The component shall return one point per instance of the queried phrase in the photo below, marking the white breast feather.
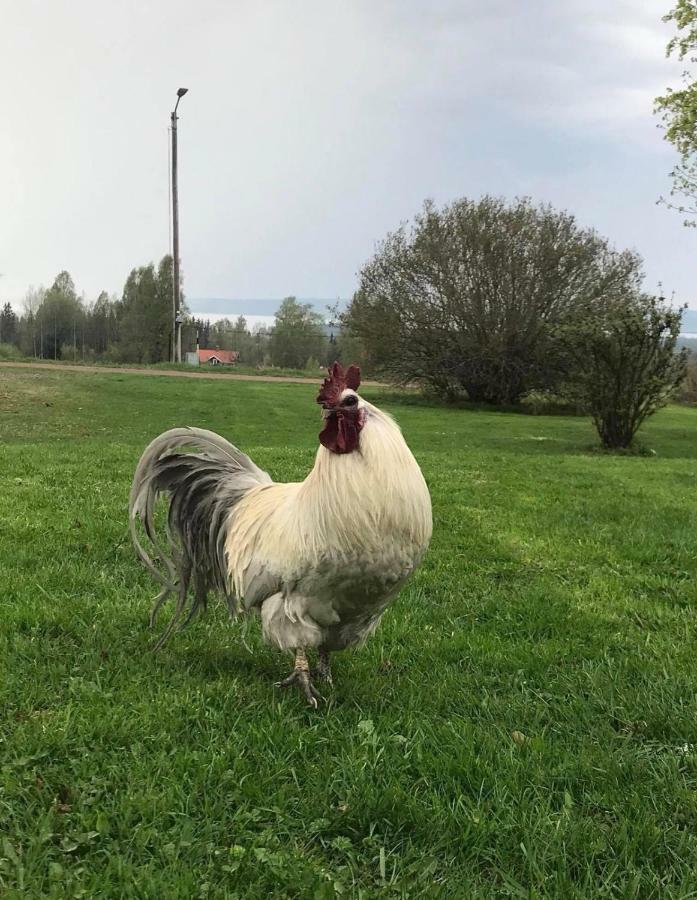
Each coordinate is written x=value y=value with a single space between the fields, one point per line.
x=303 y=550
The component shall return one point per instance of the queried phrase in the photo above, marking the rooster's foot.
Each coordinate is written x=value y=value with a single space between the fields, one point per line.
x=322 y=670
x=301 y=676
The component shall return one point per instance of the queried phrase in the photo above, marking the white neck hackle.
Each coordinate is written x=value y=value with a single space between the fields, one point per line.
x=351 y=500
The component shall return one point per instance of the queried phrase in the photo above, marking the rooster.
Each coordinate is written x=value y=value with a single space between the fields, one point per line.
x=319 y=559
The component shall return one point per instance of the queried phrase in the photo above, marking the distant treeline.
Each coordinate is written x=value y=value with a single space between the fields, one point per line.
x=57 y=323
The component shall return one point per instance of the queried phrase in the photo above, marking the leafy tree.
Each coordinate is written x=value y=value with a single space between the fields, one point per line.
x=689 y=392
x=204 y=330
x=102 y=324
x=9 y=333
x=223 y=334
x=297 y=335
x=145 y=314
x=160 y=319
x=243 y=341
x=9 y=351
x=189 y=332
x=259 y=348
x=195 y=329
x=59 y=317
x=625 y=364
x=349 y=349
x=468 y=296
x=678 y=109
x=29 y=332
x=132 y=346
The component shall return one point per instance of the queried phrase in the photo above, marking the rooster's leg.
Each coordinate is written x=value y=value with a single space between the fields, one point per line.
x=301 y=676
x=323 y=670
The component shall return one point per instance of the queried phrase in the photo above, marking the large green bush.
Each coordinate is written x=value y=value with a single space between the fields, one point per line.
x=624 y=364
x=466 y=299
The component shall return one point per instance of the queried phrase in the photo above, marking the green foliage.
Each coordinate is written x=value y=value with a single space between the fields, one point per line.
x=523 y=723
x=102 y=325
x=29 y=330
x=349 y=349
x=297 y=335
x=689 y=388
x=145 y=314
x=465 y=299
x=678 y=108
x=59 y=317
x=247 y=347
x=226 y=334
x=9 y=351
x=58 y=324
x=9 y=331
x=625 y=364
x=69 y=352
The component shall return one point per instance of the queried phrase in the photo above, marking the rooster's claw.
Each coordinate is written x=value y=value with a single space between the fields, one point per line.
x=301 y=677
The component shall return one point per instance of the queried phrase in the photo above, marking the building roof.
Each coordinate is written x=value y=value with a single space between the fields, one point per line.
x=222 y=356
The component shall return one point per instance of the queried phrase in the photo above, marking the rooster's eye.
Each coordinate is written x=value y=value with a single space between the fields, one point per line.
x=351 y=400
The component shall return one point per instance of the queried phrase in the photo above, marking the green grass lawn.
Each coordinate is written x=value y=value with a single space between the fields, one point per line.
x=9 y=353
x=523 y=724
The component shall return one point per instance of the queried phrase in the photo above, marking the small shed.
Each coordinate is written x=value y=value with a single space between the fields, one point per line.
x=217 y=357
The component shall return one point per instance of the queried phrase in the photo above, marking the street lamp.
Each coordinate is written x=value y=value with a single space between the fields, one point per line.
x=176 y=285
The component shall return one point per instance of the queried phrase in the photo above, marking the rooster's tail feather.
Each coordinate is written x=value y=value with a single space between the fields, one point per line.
x=203 y=487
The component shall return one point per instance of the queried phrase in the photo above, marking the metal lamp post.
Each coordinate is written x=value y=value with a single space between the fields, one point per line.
x=176 y=285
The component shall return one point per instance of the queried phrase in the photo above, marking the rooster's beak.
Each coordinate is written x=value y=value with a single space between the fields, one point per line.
x=327 y=411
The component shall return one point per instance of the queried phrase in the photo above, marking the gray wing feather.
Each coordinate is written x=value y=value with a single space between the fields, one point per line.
x=259 y=584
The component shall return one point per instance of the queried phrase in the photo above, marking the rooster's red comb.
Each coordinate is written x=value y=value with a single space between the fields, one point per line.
x=337 y=382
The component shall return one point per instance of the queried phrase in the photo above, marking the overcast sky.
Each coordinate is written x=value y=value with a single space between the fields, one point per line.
x=312 y=127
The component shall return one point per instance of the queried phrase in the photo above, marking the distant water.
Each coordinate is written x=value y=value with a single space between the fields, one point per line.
x=217 y=306
x=261 y=312
x=689 y=322
x=252 y=320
